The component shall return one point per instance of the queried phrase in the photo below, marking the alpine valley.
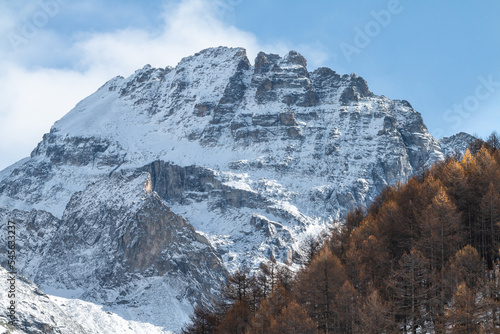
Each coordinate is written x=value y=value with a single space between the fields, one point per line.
x=140 y=201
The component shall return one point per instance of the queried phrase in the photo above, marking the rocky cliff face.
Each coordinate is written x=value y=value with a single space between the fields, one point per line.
x=149 y=190
x=118 y=244
x=456 y=144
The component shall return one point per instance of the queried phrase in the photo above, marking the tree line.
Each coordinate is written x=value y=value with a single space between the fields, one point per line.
x=423 y=258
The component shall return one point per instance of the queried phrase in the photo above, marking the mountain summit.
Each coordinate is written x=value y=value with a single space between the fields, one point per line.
x=145 y=195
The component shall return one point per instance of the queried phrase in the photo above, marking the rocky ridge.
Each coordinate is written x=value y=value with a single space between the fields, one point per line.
x=456 y=144
x=155 y=186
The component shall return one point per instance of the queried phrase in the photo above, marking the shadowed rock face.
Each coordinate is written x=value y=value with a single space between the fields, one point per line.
x=116 y=236
x=186 y=184
x=456 y=144
x=151 y=189
x=78 y=151
x=283 y=79
x=356 y=89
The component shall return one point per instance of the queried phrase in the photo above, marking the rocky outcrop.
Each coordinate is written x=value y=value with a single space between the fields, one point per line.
x=117 y=236
x=283 y=79
x=78 y=151
x=456 y=144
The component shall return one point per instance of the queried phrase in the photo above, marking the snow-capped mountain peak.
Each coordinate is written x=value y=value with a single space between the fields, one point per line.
x=150 y=190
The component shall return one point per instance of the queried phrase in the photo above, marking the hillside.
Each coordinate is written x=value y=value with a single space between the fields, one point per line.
x=424 y=258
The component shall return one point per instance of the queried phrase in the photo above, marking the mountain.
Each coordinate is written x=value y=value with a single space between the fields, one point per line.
x=422 y=259
x=41 y=313
x=146 y=194
x=456 y=143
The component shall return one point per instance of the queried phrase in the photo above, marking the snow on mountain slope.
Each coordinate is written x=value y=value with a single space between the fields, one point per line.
x=456 y=143
x=117 y=244
x=41 y=313
x=35 y=311
x=149 y=190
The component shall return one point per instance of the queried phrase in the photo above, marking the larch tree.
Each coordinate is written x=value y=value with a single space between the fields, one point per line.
x=367 y=262
x=467 y=267
x=236 y=319
x=238 y=286
x=410 y=285
x=317 y=286
x=396 y=234
x=441 y=237
x=203 y=321
x=375 y=316
x=293 y=320
x=490 y=220
x=345 y=308
x=494 y=141
x=441 y=231
x=464 y=314
x=269 y=309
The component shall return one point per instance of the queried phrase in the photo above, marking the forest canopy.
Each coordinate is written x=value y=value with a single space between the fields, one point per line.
x=423 y=258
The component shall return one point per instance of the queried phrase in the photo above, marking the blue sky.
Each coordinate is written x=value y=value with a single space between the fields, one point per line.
x=442 y=56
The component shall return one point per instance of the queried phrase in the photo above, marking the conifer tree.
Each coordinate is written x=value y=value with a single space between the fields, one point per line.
x=270 y=308
x=367 y=262
x=317 y=286
x=410 y=285
x=375 y=316
x=494 y=141
x=441 y=231
x=399 y=268
x=236 y=319
x=466 y=266
x=490 y=220
x=203 y=321
x=238 y=286
x=293 y=320
x=464 y=314
x=345 y=308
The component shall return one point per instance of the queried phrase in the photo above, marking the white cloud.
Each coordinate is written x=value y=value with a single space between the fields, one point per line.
x=189 y=27
x=30 y=102
x=32 y=98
